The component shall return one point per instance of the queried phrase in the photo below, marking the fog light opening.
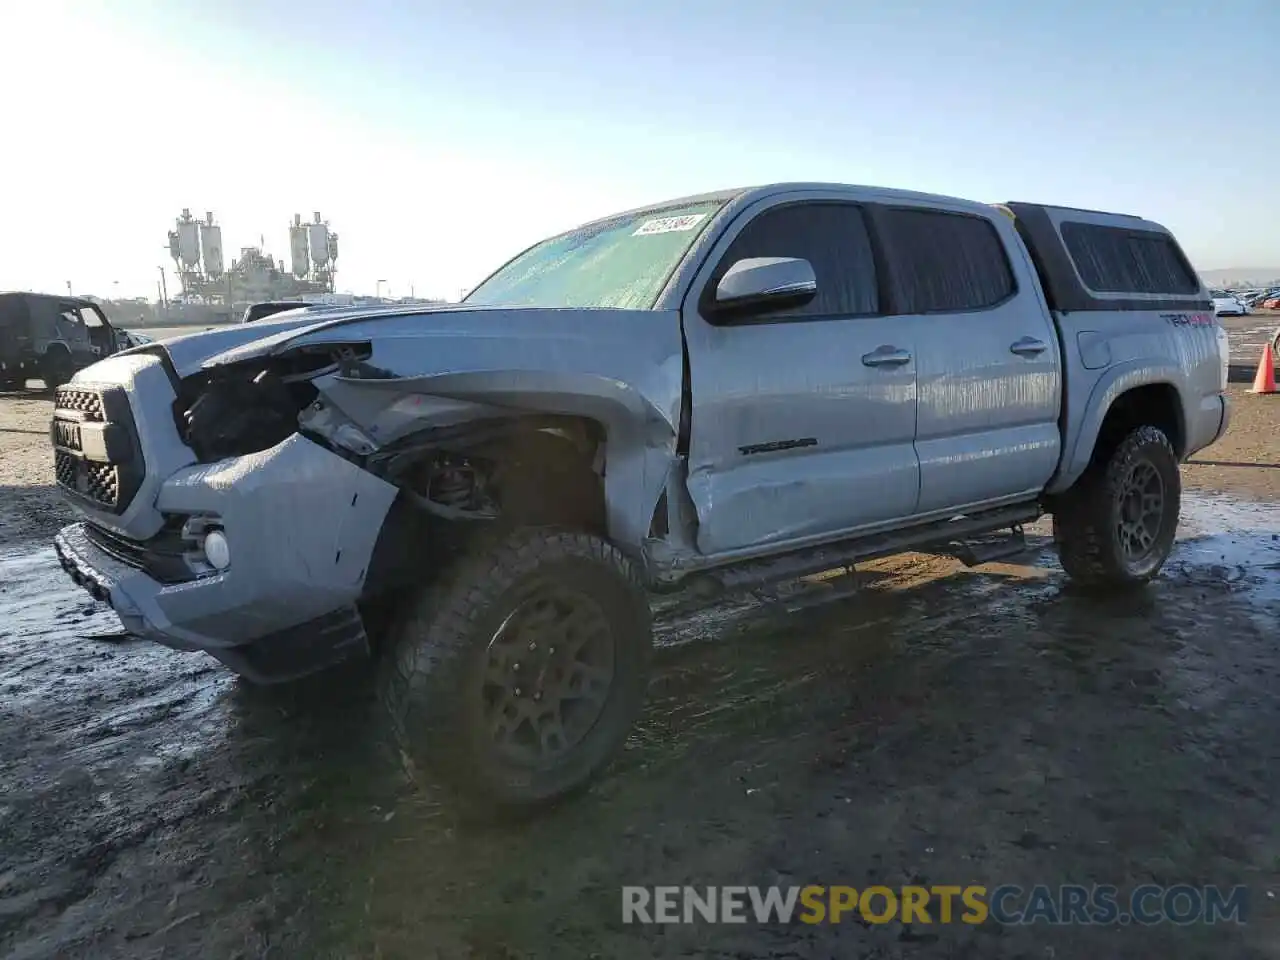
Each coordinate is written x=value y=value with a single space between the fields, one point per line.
x=217 y=550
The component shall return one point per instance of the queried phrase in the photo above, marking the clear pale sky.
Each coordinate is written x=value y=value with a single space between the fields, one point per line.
x=439 y=139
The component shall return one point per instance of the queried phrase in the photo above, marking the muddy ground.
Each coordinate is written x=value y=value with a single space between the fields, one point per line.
x=944 y=726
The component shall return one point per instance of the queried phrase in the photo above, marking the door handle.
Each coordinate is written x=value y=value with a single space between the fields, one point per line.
x=886 y=356
x=1028 y=347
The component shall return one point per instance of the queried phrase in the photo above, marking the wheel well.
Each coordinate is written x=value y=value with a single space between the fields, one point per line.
x=493 y=476
x=523 y=471
x=554 y=475
x=1155 y=404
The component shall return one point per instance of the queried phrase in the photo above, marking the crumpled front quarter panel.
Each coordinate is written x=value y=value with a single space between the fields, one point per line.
x=621 y=368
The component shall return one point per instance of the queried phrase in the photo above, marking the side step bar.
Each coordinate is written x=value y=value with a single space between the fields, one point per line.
x=949 y=534
x=979 y=550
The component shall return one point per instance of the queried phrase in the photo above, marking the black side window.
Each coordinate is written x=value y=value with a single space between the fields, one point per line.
x=945 y=261
x=833 y=238
x=14 y=317
x=1119 y=260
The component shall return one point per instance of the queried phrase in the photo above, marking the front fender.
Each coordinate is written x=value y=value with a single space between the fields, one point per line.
x=639 y=426
x=1082 y=433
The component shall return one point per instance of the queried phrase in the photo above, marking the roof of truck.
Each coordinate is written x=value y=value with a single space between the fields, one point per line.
x=741 y=196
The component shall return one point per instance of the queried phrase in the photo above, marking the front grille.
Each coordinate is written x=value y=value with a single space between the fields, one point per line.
x=97 y=457
x=100 y=482
x=87 y=403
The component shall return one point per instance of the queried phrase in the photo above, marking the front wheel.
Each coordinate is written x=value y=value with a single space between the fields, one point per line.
x=1116 y=526
x=516 y=677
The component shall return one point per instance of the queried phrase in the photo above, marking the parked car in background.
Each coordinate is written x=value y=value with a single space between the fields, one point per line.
x=49 y=338
x=1228 y=305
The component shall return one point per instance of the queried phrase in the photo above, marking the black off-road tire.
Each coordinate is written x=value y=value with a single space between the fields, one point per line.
x=433 y=677
x=1087 y=518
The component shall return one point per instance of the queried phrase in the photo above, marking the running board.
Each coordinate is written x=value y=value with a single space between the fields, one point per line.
x=976 y=551
x=936 y=535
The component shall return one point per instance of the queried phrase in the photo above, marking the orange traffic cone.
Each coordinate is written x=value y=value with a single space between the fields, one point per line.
x=1265 y=381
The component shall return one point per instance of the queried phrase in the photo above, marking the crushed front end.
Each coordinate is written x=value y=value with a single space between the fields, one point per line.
x=209 y=522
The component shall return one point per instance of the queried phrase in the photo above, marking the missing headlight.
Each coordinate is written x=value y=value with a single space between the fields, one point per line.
x=242 y=408
x=236 y=415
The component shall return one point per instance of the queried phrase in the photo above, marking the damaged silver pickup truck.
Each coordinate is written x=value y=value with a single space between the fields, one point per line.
x=726 y=390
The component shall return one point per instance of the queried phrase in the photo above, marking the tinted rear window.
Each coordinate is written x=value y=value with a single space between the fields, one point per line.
x=945 y=261
x=1121 y=260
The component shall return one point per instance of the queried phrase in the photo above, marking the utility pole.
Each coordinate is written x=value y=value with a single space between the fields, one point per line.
x=164 y=288
x=69 y=293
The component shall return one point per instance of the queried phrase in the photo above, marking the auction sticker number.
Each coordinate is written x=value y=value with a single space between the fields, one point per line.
x=669 y=224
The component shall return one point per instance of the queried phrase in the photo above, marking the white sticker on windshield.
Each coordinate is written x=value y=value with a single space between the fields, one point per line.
x=669 y=224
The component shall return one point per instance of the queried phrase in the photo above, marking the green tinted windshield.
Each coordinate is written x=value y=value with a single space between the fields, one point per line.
x=622 y=262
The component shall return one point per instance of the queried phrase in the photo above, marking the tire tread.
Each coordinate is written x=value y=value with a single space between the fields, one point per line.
x=422 y=676
x=1081 y=518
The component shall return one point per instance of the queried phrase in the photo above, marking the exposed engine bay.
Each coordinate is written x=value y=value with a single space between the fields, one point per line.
x=478 y=470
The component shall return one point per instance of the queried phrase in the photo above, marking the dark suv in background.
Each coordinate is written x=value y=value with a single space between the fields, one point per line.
x=49 y=338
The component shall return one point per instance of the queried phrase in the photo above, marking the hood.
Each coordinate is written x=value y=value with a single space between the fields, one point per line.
x=192 y=352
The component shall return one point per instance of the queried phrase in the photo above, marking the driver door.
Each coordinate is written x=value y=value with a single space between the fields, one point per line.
x=802 y=421
x=71 y=332
x=101 y=337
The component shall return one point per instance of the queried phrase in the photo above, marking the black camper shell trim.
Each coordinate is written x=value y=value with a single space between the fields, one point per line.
x=1062 y=285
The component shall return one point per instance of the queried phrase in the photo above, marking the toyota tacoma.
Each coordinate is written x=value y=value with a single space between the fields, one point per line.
x=722 y=391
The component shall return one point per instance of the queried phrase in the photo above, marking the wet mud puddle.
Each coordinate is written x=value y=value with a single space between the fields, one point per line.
x=150 y=802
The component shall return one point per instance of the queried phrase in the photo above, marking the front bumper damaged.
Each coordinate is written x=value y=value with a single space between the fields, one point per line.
x=301 y=524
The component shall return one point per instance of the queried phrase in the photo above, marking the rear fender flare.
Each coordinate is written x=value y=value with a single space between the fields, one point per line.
x=1118 y=380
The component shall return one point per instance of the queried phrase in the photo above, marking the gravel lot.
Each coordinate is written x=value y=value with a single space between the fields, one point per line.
x=943 y=726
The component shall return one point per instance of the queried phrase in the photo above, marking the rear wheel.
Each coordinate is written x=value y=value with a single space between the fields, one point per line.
x=516 y=678
x=1117 y=525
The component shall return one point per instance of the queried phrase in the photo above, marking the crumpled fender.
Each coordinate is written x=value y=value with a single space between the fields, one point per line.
x=620 y=368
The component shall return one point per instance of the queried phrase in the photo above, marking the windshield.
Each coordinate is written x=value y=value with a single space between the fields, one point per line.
x=622 y=262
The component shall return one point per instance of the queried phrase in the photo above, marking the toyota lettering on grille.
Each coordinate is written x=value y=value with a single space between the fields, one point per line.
x=66 y=435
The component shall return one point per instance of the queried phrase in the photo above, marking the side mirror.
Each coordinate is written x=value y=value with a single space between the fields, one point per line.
x=766 y=283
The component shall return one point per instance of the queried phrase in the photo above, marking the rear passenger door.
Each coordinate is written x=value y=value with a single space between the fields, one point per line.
x=802 y=421
x=988 y=372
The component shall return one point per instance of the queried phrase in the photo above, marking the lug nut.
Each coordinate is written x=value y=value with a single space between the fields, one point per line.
x=517 y=691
